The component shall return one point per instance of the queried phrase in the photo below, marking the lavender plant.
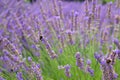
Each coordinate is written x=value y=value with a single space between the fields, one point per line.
x=59 y=40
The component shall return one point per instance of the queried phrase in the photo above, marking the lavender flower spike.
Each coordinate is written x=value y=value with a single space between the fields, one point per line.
x=19 y=76
x=106 y=63
x=79 y=60
x=88 y=68
x=67 y=70
x=117 y=43
x=2 y=78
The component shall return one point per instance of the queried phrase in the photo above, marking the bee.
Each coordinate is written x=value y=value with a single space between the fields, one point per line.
x=32 y=1
x=41 y=37
x=108 y=61
x=11 y=70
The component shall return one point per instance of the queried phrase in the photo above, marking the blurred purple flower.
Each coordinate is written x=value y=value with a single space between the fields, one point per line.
x=67 y=70
x=79 y=61
x=1 y=78
x=19 y=76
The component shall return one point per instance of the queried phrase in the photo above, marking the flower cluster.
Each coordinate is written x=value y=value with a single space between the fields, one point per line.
x=33 y=35
x=79 y=61
x=66 y=70
x=107 y=65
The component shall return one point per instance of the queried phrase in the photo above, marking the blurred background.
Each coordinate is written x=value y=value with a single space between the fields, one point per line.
x=102 y=1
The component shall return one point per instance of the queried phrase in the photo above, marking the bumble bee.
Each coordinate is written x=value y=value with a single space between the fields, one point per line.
x=41 y=37
x=11 y=70
x=32 y=1
x=108 y=61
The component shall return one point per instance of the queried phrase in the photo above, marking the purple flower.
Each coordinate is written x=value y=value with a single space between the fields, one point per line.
x=19 y=76
x=29 y=59
x=77 y=55
x=110 y=48
x=88 y=61
x=98 y=56
x=89 y=70
x=67 y=70
x=115 y=75
x=103 y=61
x=79 y=60
x=12 y=57
x=2 y=78
x=60 y=50
x=36 y=70
x=6 y=52
x=106 y=63
x=117 y=51
x=24 y=42
x=34 y=47
x=116 y=42
x=52 y=54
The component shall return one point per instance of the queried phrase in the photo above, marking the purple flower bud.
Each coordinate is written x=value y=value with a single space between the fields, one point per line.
x=67 y=67
x=117 y=51
x=19 y=76
x=6 y=52
x=2 y=78
x=52 y=54
x=77 y=55
x=117 y=19
x=79 y=61
x=96 y=55
x=67 y=70
x=34 y=47
x=88 y=62
x=29 y=59
x=103 y=61
x=115 y=75
x=61 y=50
x=37 y=54
x=110 y=48
x=91 y=71
x=110 y=3
x=116 y=42
x=38 y=65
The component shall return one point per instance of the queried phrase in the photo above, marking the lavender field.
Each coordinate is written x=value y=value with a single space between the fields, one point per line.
x=59 y=40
